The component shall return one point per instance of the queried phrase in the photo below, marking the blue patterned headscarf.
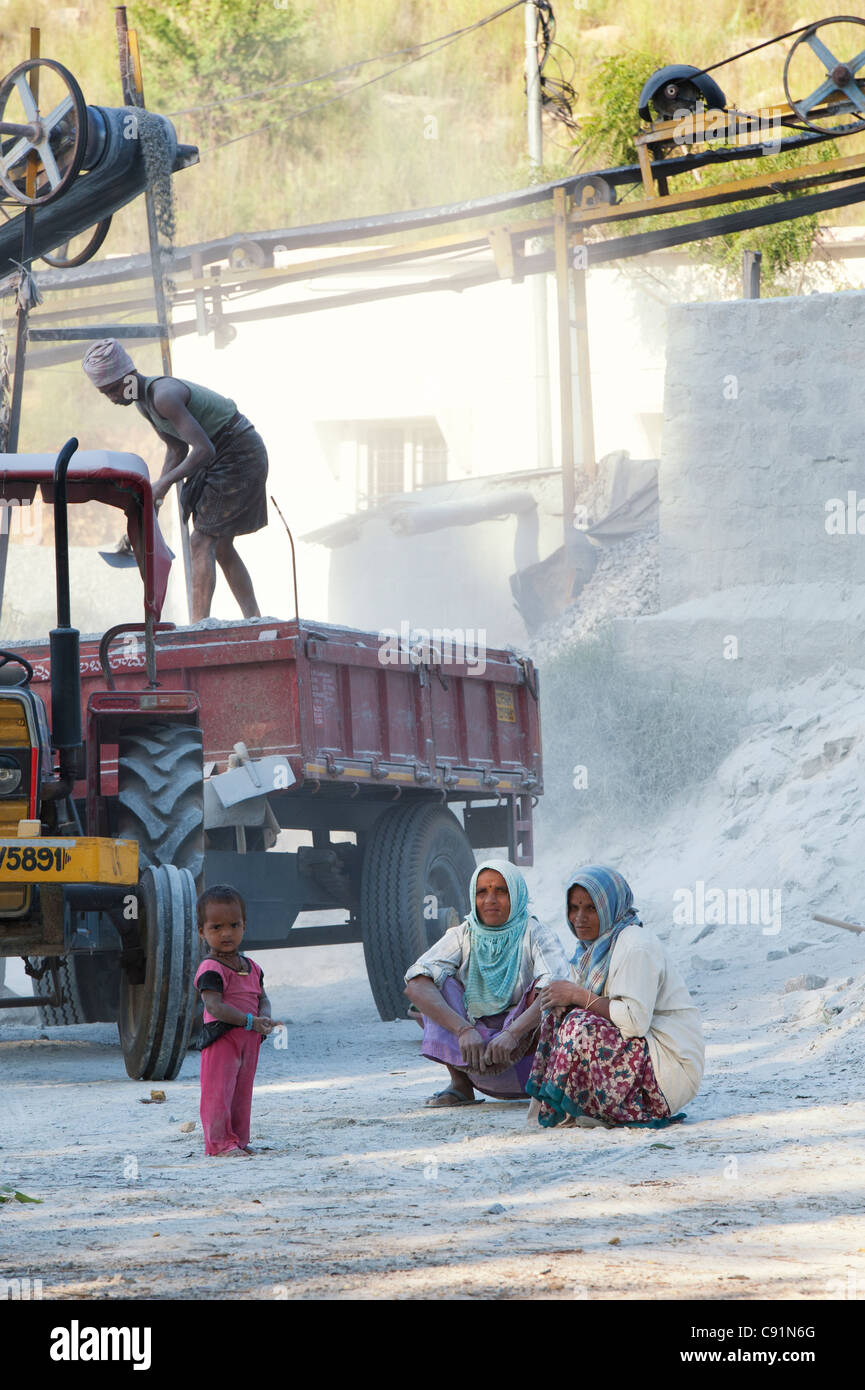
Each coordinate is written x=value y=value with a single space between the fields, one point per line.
x=494 y=952
x=614 y=902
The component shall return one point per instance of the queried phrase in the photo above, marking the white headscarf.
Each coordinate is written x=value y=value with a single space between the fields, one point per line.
x=107 y=361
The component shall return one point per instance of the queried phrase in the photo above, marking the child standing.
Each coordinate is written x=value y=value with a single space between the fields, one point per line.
x=236 y=1017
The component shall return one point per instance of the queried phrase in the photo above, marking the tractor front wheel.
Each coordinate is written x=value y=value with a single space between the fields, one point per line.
x=155 y=1016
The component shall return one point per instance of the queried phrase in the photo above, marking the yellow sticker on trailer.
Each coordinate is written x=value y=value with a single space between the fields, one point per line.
x=505 y=709
x=67 y=860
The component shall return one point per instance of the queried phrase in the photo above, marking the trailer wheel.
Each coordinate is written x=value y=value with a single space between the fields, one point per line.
x=160 y=794
x=90 y=986
x=155 y=1017
x=418 y=863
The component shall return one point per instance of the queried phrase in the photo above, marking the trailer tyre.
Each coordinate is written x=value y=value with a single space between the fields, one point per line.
x=155 y=1017
x=160 y=796
x=418 y=863
x=90 y=987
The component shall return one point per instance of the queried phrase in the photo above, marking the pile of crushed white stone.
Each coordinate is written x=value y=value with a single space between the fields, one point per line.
x=732 y=875
x=624 y=585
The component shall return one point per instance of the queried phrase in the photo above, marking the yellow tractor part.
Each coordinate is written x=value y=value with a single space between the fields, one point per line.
x=68 y=860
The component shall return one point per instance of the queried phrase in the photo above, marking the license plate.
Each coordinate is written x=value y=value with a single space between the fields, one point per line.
x=67 y=860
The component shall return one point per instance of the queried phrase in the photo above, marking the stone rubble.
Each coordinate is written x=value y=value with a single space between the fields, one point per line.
x=624 y=585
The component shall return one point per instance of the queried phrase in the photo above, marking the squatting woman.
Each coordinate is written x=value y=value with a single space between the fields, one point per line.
x=621 y=1041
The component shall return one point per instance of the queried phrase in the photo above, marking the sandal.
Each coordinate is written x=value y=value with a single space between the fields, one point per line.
x=449 y=1098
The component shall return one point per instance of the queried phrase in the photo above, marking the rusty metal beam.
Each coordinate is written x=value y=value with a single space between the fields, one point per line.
x=23 y=314
x=133 y=92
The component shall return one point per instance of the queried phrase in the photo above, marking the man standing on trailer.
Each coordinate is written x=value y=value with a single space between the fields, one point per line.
x=212 y=450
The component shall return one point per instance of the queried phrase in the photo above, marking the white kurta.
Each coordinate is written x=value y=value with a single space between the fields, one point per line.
x=542 y=959
x=649 y=999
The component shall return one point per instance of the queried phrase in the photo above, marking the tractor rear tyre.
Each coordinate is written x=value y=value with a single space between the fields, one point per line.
x=160 y=802
x=160 y=795
x=155 y=1016
x=90 y=986
x=418 y=864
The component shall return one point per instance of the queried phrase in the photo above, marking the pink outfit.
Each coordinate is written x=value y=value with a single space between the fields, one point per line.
x=228 y=1064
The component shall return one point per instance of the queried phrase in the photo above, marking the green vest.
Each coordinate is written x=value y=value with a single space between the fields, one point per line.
x=211 y=410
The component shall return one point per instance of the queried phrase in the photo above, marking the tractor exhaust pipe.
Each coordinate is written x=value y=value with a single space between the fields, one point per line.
x=65 y=667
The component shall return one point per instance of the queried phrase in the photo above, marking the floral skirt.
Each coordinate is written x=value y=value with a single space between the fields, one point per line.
x=583 y=1066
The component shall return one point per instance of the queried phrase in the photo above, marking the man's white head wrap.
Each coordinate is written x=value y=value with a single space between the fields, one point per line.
x=107 y=361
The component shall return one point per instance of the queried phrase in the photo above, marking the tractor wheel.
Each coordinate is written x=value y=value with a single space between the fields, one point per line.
x=160 y=803
x=417 y=866
x=155 y=1016
x=161 y=795
x=90 y=986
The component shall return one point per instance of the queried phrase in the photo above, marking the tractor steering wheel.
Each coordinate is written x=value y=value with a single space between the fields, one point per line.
x=6 y=657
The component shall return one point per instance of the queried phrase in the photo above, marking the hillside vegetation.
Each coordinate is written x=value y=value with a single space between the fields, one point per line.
x=448 y=127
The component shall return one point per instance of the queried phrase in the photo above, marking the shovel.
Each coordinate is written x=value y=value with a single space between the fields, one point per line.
x=122 y=556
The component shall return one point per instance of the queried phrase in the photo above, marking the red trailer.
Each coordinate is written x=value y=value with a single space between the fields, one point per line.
x=202 y=744
x=419 y=763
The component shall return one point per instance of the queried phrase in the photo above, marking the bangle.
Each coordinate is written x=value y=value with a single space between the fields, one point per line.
x=587 y=1007
x=248 y=1024
x=469 y=1028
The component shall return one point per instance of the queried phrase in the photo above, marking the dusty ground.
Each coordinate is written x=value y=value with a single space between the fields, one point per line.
x=363 y=1193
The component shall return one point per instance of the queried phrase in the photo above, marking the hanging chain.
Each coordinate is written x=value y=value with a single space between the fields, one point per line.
x=158 y=154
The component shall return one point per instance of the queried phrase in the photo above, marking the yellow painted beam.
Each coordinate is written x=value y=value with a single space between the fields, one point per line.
x=731 y=191
x=68 y=860
x=503 y=251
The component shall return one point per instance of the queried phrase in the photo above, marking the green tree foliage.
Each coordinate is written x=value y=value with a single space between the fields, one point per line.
x=608 y=140
x=784 y=245
x=11 y=1194
x=608 y=133
x=198 y=52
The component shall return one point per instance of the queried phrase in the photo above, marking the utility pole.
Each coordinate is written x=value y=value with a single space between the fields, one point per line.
x=544 y=450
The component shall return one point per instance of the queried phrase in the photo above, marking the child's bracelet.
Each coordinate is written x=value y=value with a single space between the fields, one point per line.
x=248 y=1024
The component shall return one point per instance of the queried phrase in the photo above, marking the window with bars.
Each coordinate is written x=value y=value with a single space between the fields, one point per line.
x=395 y=456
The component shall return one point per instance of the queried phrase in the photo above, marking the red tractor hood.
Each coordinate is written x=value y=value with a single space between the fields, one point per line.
x=100 y=475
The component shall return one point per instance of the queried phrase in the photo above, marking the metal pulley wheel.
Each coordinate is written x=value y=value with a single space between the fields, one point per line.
x=63 y=259
x=840 y=78
x=677 y=89
x=43 y=131
x=591 y=191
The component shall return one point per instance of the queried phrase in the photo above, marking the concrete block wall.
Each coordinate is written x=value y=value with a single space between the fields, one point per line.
x=764 y=422
x=764 y=427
